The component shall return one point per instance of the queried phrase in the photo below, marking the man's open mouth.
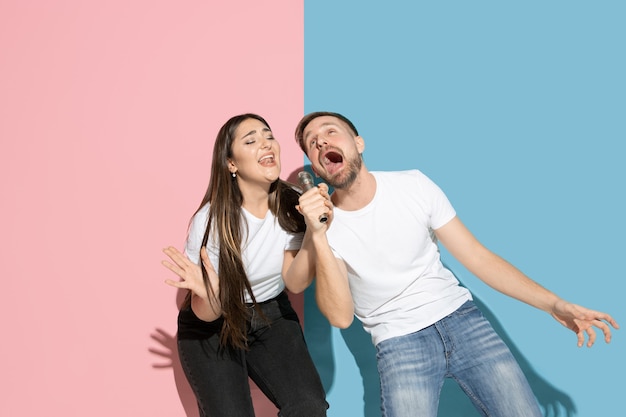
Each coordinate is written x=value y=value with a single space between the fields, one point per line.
x=332 y=161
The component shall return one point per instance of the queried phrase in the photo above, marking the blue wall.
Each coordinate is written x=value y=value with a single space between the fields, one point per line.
x=517 y=110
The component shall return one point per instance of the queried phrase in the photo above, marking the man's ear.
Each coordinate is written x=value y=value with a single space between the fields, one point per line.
x=360 y=144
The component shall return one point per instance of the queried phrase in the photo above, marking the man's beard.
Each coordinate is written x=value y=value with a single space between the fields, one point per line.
x=348 y=174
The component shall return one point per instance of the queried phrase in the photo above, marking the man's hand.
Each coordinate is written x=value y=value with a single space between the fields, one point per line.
x=582 y=320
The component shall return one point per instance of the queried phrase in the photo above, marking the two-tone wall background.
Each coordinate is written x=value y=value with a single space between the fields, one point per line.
x=108 y=111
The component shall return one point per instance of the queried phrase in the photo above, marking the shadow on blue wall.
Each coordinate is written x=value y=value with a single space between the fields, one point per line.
x=454 y=402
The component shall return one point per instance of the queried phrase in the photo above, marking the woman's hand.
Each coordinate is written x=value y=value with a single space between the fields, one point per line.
x=190 y=274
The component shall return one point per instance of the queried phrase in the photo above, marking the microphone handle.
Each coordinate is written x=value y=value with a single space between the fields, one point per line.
x=306 y=183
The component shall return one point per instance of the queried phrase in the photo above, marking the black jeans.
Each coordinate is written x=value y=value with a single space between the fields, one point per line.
x=277 y=361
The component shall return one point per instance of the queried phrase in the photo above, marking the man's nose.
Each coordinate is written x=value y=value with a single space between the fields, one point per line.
x=321 y=142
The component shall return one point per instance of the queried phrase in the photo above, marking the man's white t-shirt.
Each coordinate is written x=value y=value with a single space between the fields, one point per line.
x=263 y=251
x=397 y=280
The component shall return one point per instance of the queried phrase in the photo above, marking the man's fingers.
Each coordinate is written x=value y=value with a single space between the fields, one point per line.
x=609 y=319
x=605 y=329
x=591 y=336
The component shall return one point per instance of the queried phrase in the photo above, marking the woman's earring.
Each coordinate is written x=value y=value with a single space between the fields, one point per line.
x=234 y=174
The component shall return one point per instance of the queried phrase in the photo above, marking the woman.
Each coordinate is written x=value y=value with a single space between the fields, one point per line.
x=237 y=321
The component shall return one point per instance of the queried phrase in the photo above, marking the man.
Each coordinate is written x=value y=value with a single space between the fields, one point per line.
x=377 y=258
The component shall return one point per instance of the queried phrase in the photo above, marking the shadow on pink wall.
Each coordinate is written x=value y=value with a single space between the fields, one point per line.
x=166 y=355
x=166 y=359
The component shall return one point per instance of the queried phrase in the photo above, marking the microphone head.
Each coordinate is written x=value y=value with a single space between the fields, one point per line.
x=305 y=180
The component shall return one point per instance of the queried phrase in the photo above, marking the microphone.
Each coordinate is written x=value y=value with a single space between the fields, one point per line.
x=306 y=183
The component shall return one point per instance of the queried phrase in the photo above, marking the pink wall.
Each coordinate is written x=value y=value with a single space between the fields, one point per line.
x=107 y=115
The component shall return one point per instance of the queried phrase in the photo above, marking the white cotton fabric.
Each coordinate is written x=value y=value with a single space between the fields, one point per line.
x=397 y=280
x=263 y=250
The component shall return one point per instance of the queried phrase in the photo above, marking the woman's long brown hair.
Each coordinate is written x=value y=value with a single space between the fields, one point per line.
x=226 y=225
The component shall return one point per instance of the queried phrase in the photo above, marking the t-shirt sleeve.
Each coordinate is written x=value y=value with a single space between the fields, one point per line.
x=441 y=210
x=196 y=233
x=294 y=241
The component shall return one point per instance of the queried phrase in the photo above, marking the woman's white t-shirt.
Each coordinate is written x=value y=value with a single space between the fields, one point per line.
x=263 y=250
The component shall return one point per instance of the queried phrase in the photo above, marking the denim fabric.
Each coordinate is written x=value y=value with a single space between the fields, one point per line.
x=277 y=361
x=462 y=346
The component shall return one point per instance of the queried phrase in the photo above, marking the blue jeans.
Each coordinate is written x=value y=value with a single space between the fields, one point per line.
x=277 y=361
x=462 y=346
